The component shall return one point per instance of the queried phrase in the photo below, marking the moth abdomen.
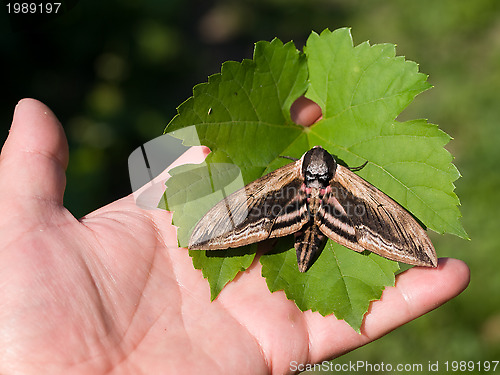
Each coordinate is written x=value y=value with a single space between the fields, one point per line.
x=309 y=242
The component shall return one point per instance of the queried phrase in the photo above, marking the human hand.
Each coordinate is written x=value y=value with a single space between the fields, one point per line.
x=112 y=292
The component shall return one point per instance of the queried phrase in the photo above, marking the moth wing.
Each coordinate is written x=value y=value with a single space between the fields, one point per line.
x=271 y=206
x=365 y=218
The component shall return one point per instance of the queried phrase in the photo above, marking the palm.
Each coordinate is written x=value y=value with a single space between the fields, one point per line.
x=113 y=292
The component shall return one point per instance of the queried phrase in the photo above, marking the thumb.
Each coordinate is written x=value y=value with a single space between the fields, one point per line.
x=34 y=157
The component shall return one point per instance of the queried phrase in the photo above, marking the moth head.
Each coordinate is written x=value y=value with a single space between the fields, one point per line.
x=318 y=168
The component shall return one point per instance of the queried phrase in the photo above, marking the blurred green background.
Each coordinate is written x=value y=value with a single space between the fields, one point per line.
x=114 y=72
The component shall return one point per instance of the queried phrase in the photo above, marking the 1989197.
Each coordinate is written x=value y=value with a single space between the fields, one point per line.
x=33 y=8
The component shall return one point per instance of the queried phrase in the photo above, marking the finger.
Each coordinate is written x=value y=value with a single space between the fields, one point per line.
x=34 y=156
x=305 y=112
x=417 y=291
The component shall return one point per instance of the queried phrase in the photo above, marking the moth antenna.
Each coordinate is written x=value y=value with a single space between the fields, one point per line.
x=355 y=169
x=289 y=157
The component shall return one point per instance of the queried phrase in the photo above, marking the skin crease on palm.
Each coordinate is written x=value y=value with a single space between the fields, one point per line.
x=111 y=293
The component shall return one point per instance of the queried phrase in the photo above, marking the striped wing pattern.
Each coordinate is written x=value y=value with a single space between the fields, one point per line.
x=271 y=206
x=359 y=216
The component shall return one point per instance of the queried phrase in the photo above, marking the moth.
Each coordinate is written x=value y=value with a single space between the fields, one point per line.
x=315 y=198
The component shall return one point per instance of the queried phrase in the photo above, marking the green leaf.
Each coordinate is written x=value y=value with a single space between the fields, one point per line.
x=243 y=115
x=244 y=112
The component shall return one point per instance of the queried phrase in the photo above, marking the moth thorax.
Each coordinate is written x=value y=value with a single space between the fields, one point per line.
x=318 y=168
